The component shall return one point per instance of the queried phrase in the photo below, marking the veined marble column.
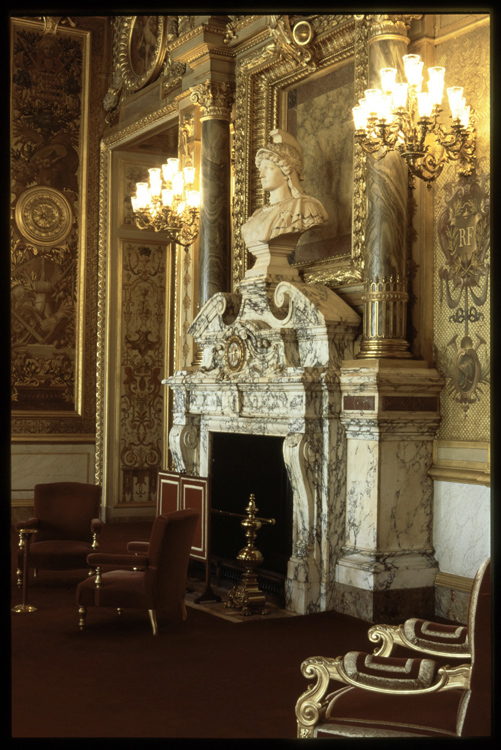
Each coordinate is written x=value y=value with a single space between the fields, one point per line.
x=385 y=296
x=215 y=100
x=390 y=411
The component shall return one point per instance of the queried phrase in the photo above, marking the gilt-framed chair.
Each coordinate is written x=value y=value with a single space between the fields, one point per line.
x=157 y=580
x=67 y=524
x=385 y=696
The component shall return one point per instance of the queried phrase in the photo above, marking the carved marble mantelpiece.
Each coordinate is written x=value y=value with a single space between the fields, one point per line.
x=390 y=412
x=271 y=357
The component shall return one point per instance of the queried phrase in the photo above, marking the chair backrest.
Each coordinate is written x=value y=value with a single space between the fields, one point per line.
x=65 y=510
x=168 y=554
x=474 y=716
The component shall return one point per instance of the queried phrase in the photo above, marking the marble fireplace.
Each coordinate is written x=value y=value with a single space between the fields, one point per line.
x=271 y=359
x=277 y=359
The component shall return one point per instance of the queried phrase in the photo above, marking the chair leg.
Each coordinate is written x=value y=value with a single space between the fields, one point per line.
x=183 y=610
x=35 y=572
x=153 y=620
x=82 y=611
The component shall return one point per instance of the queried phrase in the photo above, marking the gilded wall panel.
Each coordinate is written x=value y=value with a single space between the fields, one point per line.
x=142 y=362
x=55 y=120
x=307 y=86
x=462 y=256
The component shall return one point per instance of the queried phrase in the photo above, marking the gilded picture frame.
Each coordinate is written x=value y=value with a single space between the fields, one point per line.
x=301 y=52
x=141 y=50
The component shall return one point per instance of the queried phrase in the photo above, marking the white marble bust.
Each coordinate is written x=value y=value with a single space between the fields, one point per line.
x=289 y=210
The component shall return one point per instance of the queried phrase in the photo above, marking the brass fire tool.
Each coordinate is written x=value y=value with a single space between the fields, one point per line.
x=247 y=595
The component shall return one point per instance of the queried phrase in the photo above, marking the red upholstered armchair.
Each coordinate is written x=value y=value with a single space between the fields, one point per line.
x=66 y=519
x=160 y=583
x=384 y=696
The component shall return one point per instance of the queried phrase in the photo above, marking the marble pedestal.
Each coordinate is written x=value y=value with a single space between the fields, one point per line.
x=390 y=411
x=271 y=354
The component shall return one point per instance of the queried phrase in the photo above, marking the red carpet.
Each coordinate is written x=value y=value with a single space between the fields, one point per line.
x=202 y=678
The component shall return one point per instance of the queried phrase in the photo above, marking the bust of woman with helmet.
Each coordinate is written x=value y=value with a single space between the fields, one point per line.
x=289 y=210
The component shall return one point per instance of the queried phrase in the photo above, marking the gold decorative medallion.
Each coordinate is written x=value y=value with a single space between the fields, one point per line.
x=141 y=50
x=234 y=353
x=44 y=216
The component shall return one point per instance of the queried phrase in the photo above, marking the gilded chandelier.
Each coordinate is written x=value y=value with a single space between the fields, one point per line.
x=401 y=117
x=169 y=203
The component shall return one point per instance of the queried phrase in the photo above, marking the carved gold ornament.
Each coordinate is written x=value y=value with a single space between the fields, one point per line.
x=44 y=216
x=141 y=50
x=234 y=354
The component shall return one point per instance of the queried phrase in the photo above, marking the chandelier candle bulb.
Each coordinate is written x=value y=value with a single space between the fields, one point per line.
x=155 y=181
x=399 y=95
x=167 y=197
x=189 y=175
x=413 y=69
x=425 y=104
x=373 y=97
x=436 y=84
x=385 y=108
x=360 y=118
x=142 y=194
x=455 y=94
x=388 y=79
x=193 y=198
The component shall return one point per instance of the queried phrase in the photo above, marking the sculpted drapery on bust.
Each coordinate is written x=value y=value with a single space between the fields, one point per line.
x=289 y=210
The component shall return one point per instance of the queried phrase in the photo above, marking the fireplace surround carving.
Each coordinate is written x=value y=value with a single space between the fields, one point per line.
x=271 y=358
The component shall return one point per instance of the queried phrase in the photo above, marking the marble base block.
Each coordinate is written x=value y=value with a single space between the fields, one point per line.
x=382 y=572
x=452 y=604
x=389 y=606
x=272 y=259
x=303 y=587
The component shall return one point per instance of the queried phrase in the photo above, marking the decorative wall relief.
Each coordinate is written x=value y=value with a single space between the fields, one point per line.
x=141 y=370
x=49 y=92
x=462 y=265
x=464 y=235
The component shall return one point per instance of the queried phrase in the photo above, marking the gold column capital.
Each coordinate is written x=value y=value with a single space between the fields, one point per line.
x=215 y=99
x=390 y=24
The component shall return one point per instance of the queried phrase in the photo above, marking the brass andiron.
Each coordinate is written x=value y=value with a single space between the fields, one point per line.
x=247 y=595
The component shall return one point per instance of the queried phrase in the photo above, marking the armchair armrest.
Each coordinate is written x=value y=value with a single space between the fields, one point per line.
x=96 y=559
x=30 y=523
x=138 y=547
x=422 y=635
x=370 y=672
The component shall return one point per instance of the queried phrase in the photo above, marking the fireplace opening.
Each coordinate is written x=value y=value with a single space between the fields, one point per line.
x=242 y=465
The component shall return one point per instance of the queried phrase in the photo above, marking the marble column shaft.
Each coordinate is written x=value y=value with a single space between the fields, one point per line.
x=385 y=298
x=215 y=211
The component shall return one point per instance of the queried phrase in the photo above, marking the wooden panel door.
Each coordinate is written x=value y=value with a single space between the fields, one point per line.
x=195 y=494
